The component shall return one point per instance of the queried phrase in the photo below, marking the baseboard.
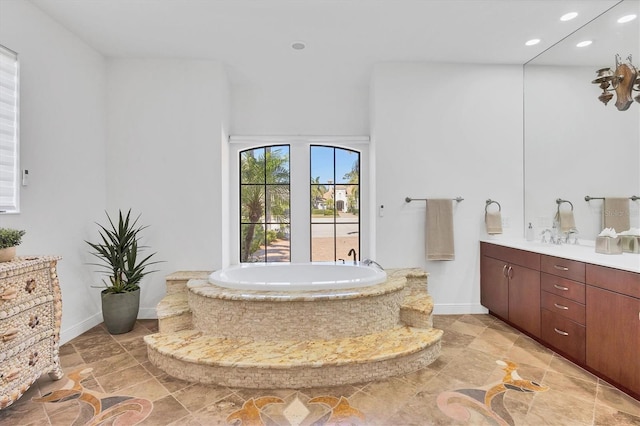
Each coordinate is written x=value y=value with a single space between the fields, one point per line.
x=458 y=309
x=147 y=313
x=81 y=327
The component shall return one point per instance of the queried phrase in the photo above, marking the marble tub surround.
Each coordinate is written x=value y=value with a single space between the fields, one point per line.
x=281 y=338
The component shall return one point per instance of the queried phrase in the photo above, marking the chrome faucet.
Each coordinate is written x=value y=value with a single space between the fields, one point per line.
x=369 y=262
x=574 y=232
x=353 y=252
x=544 y=235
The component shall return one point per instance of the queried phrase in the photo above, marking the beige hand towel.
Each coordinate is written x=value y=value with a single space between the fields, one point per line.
x=439 y=229
x=493 y=222
x=615 y=214
x=566 y=220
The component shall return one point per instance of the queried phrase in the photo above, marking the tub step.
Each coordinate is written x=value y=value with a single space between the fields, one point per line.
x=176 y=282
x=174 y=313
x=190 y=355
x=416 y=310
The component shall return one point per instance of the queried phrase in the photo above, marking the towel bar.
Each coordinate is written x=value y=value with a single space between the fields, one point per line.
x=409 y=199
x=489 y=202
x=588 y=198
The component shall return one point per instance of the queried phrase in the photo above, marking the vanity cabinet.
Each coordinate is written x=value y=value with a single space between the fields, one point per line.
x=510 y=285
x=586 y=312
x=562 y=306
x=613 y=325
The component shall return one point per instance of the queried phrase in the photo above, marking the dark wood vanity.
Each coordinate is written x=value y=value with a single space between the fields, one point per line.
x=587 y=312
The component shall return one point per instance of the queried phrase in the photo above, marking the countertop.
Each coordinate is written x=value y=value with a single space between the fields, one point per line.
x=584 y=251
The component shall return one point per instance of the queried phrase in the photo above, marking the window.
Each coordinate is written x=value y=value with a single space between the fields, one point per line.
x=9 y=167
x=335 y=203
x=265 y=204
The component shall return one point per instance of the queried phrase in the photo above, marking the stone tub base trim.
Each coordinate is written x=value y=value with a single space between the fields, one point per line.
x=194 y=357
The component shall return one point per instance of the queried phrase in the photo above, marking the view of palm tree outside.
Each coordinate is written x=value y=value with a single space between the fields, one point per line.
x=265 y=205
x=335 y=203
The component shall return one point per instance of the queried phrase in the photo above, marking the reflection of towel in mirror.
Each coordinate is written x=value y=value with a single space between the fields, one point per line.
x=615 y=214
x=493 y=222
x=439 y=228
x=566 y=220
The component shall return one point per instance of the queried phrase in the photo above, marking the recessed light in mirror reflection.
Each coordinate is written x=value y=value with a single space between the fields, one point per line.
x=626 y=18
x=532 y=42
x=568 y=16
x=584 y=43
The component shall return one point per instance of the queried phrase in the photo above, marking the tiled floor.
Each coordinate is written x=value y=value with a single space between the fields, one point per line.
x=478 y=356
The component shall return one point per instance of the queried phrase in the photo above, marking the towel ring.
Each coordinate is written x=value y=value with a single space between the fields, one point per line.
x=560 y=201
x=489 y=202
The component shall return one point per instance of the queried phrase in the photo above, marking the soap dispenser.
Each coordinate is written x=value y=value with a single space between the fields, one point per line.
x=530 y=234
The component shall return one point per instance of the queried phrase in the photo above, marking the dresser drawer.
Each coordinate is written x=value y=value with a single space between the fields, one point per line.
x=563 y=334
x=21 y=291
x=564 y=307
x=26 y=324
x=624 y=282
x=510 y=255
x=21 y=370
x=565 y=268
x=563 y=287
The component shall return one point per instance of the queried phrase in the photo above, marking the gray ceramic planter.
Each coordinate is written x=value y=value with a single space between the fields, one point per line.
x=120 y=310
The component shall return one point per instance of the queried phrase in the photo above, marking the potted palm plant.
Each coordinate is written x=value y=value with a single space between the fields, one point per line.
x=121 y=261
x=9 y=239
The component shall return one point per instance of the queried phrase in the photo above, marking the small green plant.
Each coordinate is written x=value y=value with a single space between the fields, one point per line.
x=119 y=254
x=10 y=237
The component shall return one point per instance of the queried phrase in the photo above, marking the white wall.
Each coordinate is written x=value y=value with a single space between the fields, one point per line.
x=576 y=146
x=439 y=131
x=167 y=122
x=294 y=110
x=62 y=136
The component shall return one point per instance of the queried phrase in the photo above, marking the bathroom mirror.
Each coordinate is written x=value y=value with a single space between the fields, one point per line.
x=574 y=145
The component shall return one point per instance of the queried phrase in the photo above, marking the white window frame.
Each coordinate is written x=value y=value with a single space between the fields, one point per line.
x=9 y=131
x=299 y=168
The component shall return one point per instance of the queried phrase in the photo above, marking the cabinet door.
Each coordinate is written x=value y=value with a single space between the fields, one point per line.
x=494 y=288
x=524 y=298
x=613 y=336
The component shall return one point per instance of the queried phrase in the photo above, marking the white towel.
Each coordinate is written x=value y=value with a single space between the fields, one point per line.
x=615 y=214
x=439 y=229
x=493 y=222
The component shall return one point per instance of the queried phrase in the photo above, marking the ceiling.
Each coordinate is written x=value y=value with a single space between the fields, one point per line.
x=344 y=38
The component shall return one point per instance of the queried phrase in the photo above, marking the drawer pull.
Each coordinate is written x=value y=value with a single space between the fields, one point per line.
x=30 y=285
x=12 y=293
x=563 y=333
x=560 y=306
x=10 y=334
x=559 y=287
x=504 y=271
x=561 y=268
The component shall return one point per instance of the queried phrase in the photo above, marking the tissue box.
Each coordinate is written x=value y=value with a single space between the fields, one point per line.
x=630 y=243
x=609 y=245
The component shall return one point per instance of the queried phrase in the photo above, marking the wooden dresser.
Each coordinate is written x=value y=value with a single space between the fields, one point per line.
x=30 y=315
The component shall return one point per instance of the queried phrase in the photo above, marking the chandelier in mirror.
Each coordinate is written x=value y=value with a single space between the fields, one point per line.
x=623 y=81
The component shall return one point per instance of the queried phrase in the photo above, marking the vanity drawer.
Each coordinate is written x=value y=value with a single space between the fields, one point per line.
x=565 y=268
x=563 y=287
x=615 y=280
x=563 y=334
x=564 y=307
x=510 y=255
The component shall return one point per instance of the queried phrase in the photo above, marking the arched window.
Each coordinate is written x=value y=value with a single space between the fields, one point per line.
x=335 y=199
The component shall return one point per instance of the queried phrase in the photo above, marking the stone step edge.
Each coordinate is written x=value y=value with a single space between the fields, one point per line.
x=422 y=303
x=173 y=305
x=194 y=347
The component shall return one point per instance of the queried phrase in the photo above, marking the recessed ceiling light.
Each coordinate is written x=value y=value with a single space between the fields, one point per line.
x=298 y=45
x=584 y=43
x=568 y=16
x=627 y=18
x=532 y=42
